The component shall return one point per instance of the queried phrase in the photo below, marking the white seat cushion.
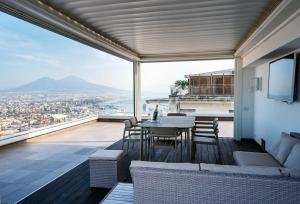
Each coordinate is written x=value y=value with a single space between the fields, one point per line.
x=254 y=159
x=293 y=160
x=286 y=144
x=252 y=170
x=105 y=154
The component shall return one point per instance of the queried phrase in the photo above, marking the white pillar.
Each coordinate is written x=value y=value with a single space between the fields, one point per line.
x=137 y=89
x=238 y=98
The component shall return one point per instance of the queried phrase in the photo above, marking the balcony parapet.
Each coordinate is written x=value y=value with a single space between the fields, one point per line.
x=8 y=139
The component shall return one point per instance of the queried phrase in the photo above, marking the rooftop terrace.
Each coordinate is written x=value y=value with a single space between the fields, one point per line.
x=54 y=169
x=29 y=165
x=48 y=163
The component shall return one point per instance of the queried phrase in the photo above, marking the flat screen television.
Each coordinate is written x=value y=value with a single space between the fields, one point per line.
x=282 y=79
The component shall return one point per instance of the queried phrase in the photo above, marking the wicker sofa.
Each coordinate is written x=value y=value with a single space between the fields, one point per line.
x=284 y=153
x=155 y=182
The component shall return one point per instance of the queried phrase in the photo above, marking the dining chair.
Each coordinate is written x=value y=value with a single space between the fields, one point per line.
x=206 y=124
x=181 y=130
x=209 y=136
x=168 y=135
x=130 y=133
x=134 y=121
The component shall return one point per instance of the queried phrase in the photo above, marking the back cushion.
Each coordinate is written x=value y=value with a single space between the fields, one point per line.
x=293 y=160
x=249 y=170
x=275 y=148
x=286 y=144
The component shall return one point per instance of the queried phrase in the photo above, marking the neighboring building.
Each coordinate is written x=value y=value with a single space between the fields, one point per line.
x=209 y=93
x=220 y=83
x=59 y=117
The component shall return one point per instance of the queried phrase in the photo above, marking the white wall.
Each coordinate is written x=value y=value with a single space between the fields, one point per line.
x=278 y=35
x=272 y=117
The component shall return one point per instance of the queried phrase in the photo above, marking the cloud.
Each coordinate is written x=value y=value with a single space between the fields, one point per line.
x=39 y=58
x=10 y=39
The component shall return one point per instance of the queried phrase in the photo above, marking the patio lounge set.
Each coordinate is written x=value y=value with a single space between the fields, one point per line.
x=271 y=177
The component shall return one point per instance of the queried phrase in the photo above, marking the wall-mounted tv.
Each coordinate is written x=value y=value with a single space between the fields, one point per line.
x=282 y=79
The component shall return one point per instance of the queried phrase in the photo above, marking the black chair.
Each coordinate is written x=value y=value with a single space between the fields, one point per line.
x=169 y=135
x=209 y=136
x=206 y=124
x=181 y=131
x=130 y=133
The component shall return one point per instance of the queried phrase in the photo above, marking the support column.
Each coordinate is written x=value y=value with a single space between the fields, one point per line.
x=238 y=98
x=137 y=89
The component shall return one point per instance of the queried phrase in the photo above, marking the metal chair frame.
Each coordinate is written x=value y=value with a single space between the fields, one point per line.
x=133 y=134
x=167 y=134
x=211 y=132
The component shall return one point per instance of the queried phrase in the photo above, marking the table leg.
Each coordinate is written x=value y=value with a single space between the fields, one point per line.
x=188 y=149
x=141 y=145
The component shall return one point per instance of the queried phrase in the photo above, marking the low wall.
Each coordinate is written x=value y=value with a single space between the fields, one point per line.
x=206 y=117
x=4 y=140
x=9 y=139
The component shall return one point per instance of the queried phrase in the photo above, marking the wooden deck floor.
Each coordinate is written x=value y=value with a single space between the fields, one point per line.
x=28 y=166
x=44 y=166
x=204 y=154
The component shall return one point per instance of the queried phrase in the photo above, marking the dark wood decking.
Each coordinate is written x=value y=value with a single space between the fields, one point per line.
x=73 y=187
x=205 y=153
x=122 y=193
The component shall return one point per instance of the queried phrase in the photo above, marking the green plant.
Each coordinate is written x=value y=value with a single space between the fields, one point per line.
x=182 y=84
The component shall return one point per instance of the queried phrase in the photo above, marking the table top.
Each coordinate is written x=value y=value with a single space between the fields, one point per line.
x=171 y=122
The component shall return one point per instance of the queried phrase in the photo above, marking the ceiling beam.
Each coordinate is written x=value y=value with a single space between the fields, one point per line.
x=227 y=54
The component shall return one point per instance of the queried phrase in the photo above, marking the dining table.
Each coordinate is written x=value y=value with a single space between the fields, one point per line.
x=183 y=123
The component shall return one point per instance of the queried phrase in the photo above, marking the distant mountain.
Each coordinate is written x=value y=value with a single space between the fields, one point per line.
x=68 y=84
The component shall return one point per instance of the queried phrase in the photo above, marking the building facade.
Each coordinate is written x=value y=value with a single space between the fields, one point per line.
x=220 y=83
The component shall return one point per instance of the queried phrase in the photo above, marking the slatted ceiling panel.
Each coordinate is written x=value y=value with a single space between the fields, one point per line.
x=167 y=26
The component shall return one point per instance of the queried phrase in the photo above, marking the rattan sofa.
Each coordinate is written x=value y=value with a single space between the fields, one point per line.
x=155 y=182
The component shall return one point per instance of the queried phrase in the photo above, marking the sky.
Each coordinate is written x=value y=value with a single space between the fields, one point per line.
x=158 y=77
x=28 y=52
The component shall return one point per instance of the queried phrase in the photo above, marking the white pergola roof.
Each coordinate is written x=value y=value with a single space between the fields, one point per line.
x=150 y=30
